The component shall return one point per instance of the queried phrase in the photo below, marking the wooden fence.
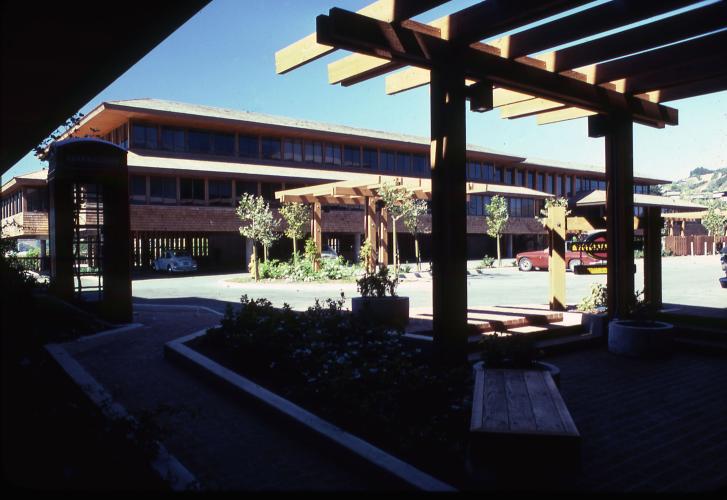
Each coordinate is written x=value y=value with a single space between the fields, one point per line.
x=693 y=245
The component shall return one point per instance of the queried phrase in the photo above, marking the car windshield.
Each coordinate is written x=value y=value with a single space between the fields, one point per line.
x=180 y=254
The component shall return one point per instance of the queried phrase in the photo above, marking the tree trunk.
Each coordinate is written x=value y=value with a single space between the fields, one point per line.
x=396 y=248
x=265 y=253
x=416 y=252
x=499 y=260
x=295 y=251
x=255 y=271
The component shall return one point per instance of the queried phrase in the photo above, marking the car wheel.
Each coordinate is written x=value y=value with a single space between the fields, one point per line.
x=169 y=268
x=572 y=265
x=525 y=264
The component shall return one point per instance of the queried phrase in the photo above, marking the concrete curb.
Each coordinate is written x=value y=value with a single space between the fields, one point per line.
x=176 y=349
x=176 y=306
x=165 y=464
x=109 y=333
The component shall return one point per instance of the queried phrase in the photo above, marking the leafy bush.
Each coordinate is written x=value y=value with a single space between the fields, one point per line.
x=302 y=270
x=487 y=261
x=500 y=350
x=595 y=301
x=377 y=284
x=372 y=382
x=638 y=254
x=406 y=268
x=667 y=252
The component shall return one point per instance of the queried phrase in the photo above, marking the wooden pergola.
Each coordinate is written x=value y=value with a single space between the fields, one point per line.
x=363 y=190
x=617 y=79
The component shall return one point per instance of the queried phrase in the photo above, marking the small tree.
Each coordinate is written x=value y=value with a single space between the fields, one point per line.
x=412 y=220
x=552 y=202
x=297 y=216
x=258 y=224
x=496 y=219
x=396 y=198
x=716 y=218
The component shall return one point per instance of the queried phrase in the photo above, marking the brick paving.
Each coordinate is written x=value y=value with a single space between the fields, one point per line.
x=646 y=425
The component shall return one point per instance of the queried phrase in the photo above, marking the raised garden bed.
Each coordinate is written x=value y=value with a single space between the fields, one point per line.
x=375 y=384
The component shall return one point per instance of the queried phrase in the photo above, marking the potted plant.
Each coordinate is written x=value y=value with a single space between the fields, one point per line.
x=513 y=351
x=640 y=335
x=593 y=307
x=374 y=302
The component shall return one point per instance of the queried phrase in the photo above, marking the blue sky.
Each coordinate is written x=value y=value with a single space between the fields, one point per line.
x=224 y=56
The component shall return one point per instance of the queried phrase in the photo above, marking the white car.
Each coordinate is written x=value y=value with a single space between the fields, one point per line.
x=175 y=261
x=329 y=253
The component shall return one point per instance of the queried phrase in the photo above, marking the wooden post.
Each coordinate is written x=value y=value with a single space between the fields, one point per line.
x=370 y=229
x=384 y=237
x=316 y=232
x=556 y=257
x=449 y=217
x=618 y=131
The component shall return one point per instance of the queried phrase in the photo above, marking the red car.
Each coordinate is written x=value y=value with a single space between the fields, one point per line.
x=538 y=259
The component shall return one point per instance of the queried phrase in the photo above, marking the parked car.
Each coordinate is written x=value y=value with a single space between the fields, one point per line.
x=329 y=253
x=175 y=261
x=538 y=259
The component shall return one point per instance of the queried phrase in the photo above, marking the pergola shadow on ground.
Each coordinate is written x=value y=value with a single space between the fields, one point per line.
x=616 y=80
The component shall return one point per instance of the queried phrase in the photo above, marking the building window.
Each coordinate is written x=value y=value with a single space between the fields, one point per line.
x=488 y=172
x=242 y=187
x=508 y=176
x=388 y=161
x=172 y=139
x=36 y=199
x=351 y=156
x=403 y=163
x=271 y=148
x=314 y=152
x=549 y=183
x=223 y=144
x=578 y=184
x=518 y=177
x=420 y=164
x=191 y=191
x=370 y=159
x=292 y=150
x=267 y=191
x=474 y=171
x=137 y=189
x=333 y=154
x=162 y=190
x=475 y=205
x=120 y=136
x=248 y=146
x=602 y=185
x=531 y=180
x=568 y=191
x=199 y=142
x=539 y=184
x=144 y=136
x=220 y=192
x=558 y=185
x=498 y=174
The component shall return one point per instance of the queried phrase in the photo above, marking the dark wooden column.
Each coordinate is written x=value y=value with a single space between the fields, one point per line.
x=316 y=231
x=618 y=132
x=652 y=256
x=449 y=217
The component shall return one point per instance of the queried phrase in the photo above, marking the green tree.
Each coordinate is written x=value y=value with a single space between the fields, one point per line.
x=258 y=224
x=716 y=218
x=552 y=202
x=496 y=218
x=412 y=221
x=396 y=198
x=297 y=216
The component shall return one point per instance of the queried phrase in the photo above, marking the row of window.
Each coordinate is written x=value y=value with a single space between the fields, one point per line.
x=517 y=207
x=12 y=204
x=163 y=190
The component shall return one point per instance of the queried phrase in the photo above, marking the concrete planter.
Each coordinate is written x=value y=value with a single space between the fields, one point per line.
x=723 y=282
x=391 y=311
x=640 y=339
x=596 y=323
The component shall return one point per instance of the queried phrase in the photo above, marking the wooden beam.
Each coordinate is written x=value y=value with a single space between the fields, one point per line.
x=529 y=108
x=647 y=36
x=690 y=71
x=308 y=49
x=561 y=115
x=358 y=33
x=708 y=86
x=449 y=219
x=464 y=27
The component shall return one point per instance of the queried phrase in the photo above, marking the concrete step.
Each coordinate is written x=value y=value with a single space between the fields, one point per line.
x=708 y=347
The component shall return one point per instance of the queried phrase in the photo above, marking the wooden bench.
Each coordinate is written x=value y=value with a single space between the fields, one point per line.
x=519 y=418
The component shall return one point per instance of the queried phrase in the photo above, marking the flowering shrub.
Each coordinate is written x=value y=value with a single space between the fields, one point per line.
x=373 y=382
x=302 y=270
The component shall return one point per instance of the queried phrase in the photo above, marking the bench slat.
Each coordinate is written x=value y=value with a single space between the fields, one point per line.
x=547 y=417
x=520 y=412
x=568 y=424
x=495 y=409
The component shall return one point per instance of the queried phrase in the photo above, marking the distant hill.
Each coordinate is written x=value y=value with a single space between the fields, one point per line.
x=701 y=181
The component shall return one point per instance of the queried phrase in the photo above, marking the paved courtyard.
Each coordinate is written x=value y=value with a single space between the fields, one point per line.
x=686 y=280
x=646 y=425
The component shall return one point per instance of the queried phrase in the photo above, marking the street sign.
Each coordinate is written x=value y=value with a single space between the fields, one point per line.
x=591 y=269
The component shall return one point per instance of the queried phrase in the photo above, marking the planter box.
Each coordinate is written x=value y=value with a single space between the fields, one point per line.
x=641 y=339
x=596 y=323
x=391 y=311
